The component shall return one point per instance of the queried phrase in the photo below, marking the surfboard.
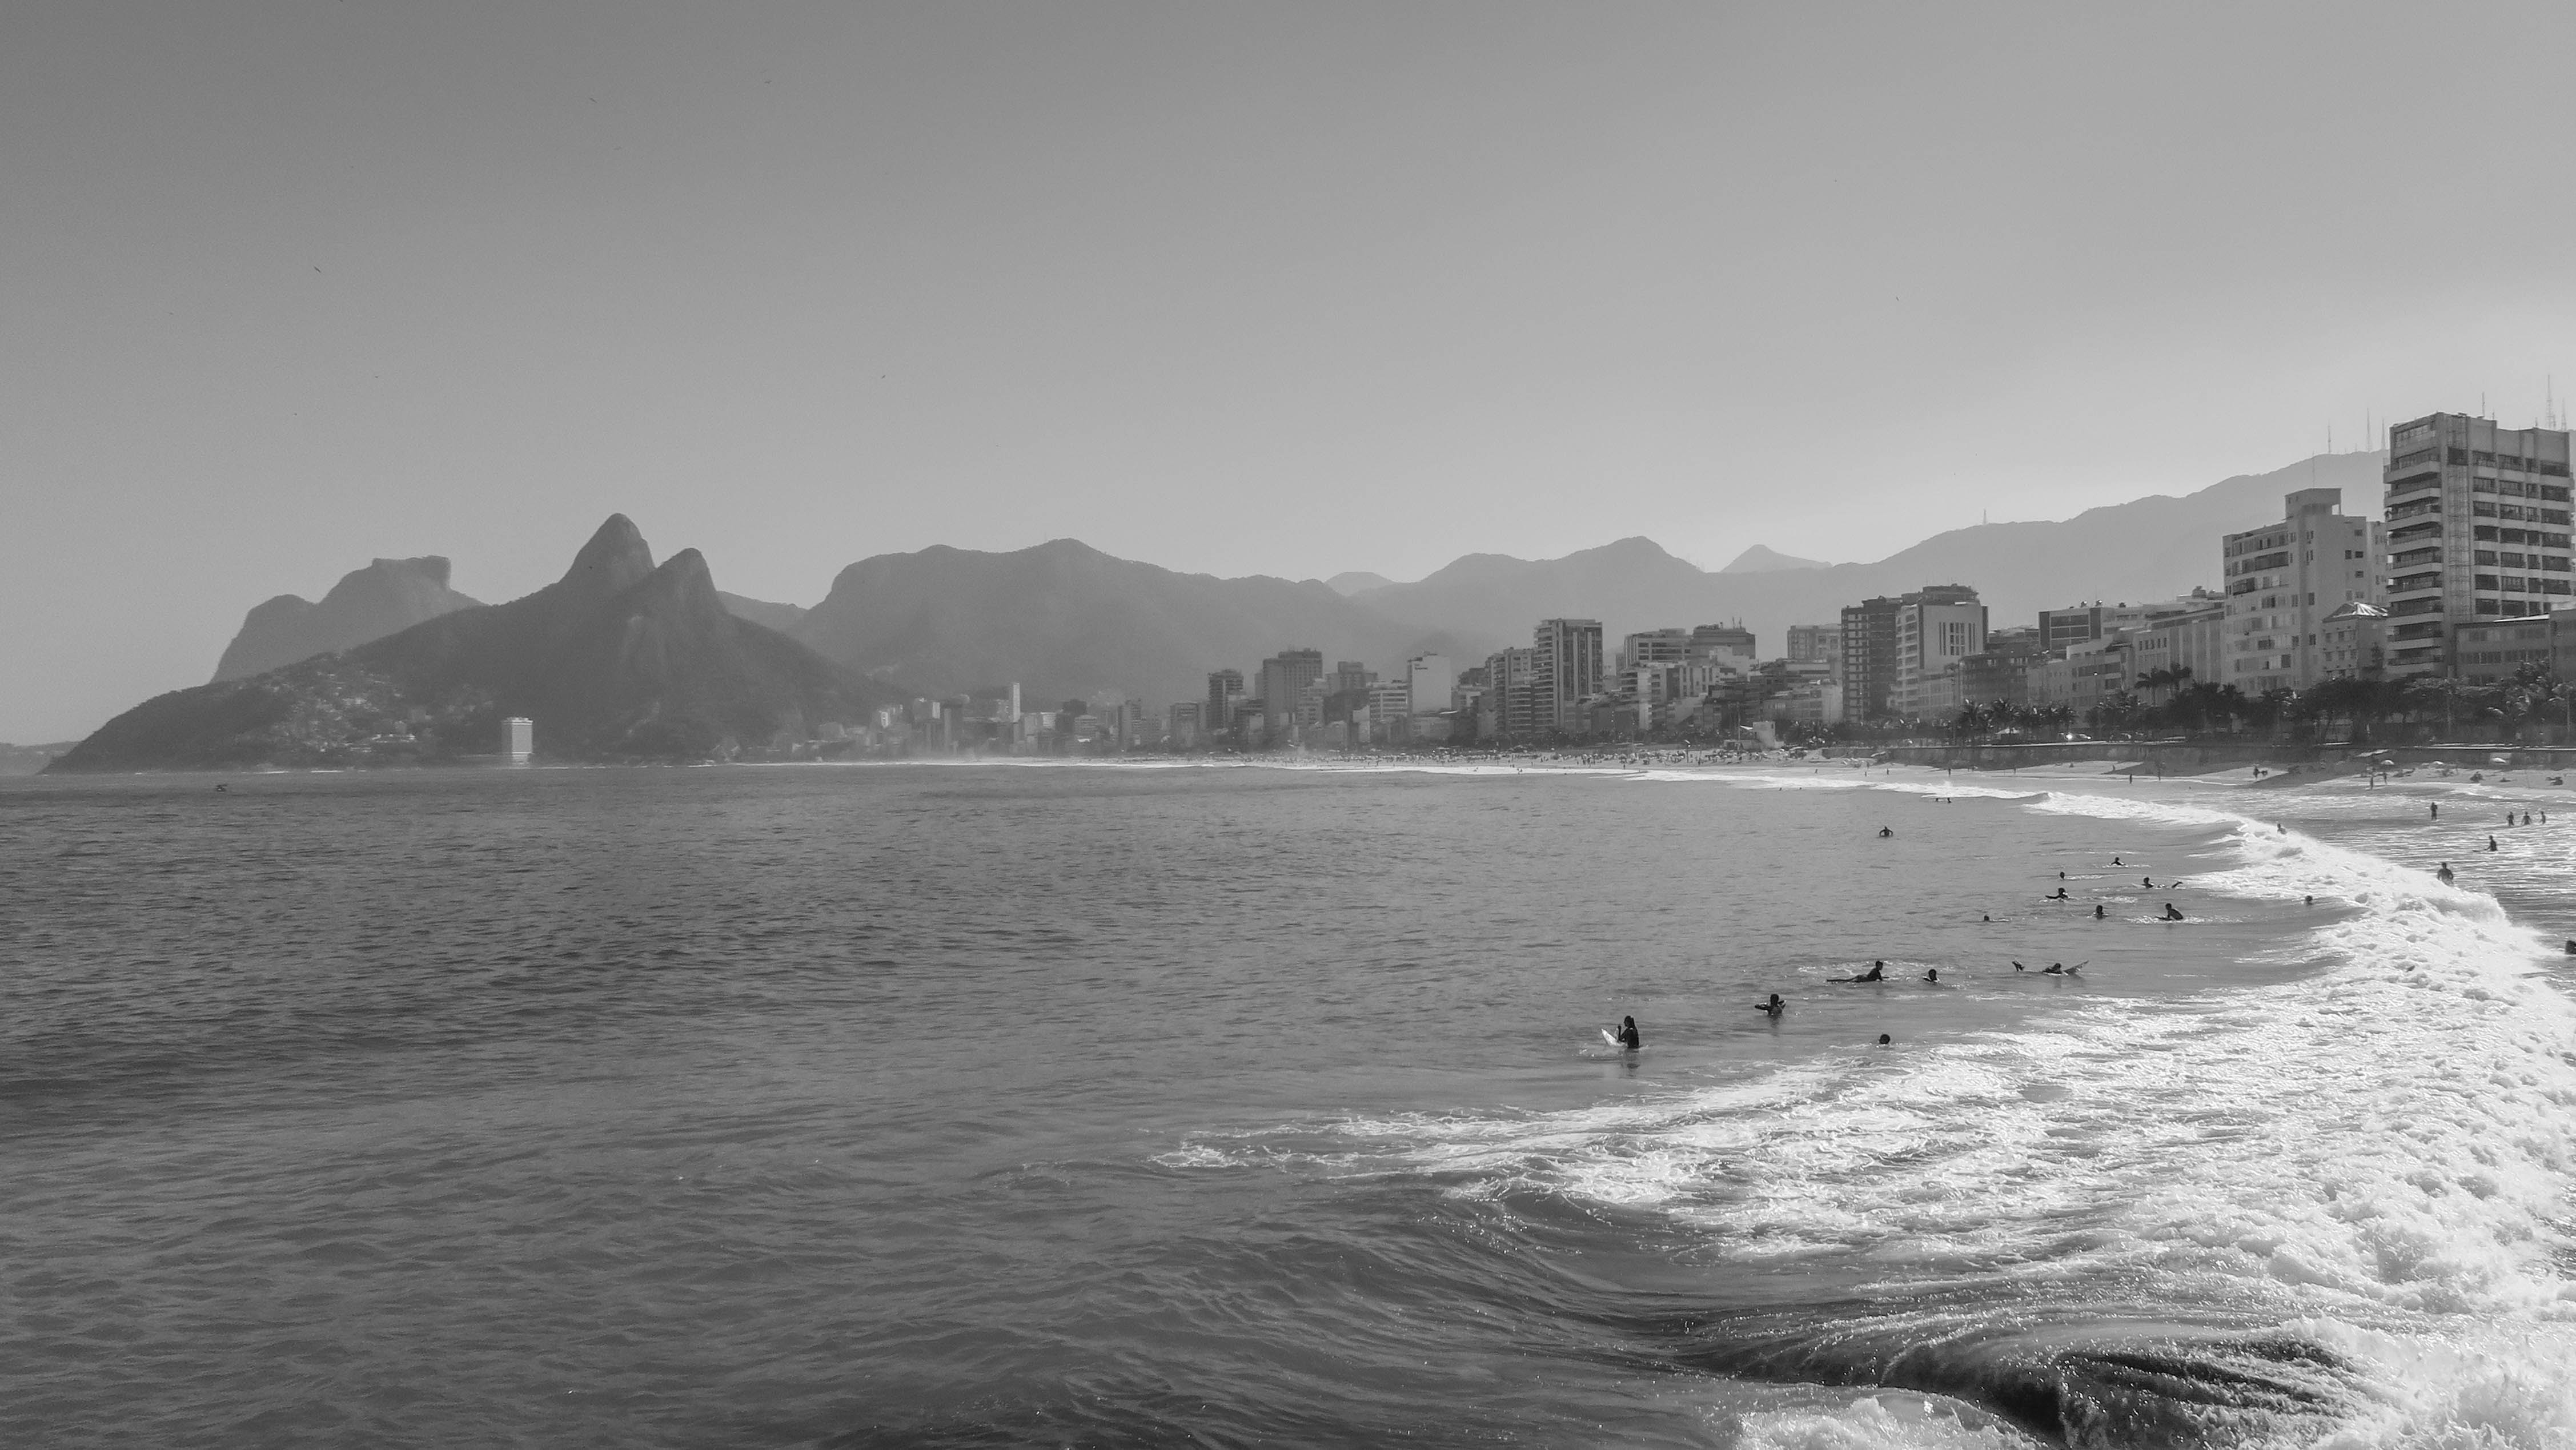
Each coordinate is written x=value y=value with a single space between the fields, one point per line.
x=1610 y=1037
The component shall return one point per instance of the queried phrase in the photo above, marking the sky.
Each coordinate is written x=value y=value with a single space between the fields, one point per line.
x=1232 y=288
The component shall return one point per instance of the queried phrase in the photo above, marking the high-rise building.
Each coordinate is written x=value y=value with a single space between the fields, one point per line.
x=1566 y=671
x=1652 y=647
x=1349 y=676
x=1815 y=643
x=519 y=739
x=1284 y=678
x=1937 y=628
x=2284 y=579
x=1729 y=645
x=1183 y=729
x=1511 y=702
x=2477 y=530
x=1225 y=687
x=1429 y=681
x=1869 y=657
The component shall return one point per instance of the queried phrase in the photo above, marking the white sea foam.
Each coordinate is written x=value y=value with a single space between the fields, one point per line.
x=2379 y=1152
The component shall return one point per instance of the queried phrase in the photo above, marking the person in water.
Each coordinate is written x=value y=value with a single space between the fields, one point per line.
x=1772 y=1008
x=2018 y=967
x=1932 y=974
x=2170 y=913
x=2442 y=869
x=2098 y=913
x=1986 y=916
x=1884 y=833
x=2149 y=882
x=2436 y=809
x=1628 y=1037
x=2060 y=969
x=1877 y=973
x=1884 y=1039
x=2059 y=896
x=2115 y=860
x=2491 y=843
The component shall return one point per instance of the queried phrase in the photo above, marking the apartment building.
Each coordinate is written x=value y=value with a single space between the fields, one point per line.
x=2283 y=579
x=1869 y=657
x=1937 y=628
x=1566 y=670
x=2477 y=532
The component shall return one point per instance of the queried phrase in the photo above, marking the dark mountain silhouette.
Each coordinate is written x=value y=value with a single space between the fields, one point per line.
x=369 y=603
x=29 y=759
x=2150 y=548
x=1762 y=560
x=1068 y=621
x=618 y=660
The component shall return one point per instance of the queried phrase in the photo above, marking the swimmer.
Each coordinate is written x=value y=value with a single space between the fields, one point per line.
x=1884 y=833
x=1877 y=973
x=1884 y=1039
x=2018 y=967
x=1628 y=1037
x=2115 y=860
x=2060 y=896
x=2170 y=913
x=2098 y=913
x=2149 y=882
x=2312 y=901
x=2443 y=870
x=1772 y=1008
x=1933 y=975
x=2061 y=875
x=2491 y=844
x=1986 y=916
x=2436 y=809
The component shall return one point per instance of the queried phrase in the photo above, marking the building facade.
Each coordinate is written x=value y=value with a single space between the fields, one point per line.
x=1284 y=678
x=1815 y=644
x=1429 y=682
x=1937 y=628
x=2477 y=532
x=1566 y=671
x=1225 y=688
x=2283 y=579
x=1868 y=657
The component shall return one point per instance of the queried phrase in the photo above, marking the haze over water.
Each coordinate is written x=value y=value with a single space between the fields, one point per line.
x=1001 y=1105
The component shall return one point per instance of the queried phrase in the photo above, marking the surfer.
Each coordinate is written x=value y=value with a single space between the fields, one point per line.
x=1884 y=833
x=1773 y=1008
x=2170 y=913
x=2436 y=809
x=2115 y=860
x=1986 y=916
x=2059 y=896
x=2442 y=869
x=2491 y=844
x=1877 y=973
x=2312 y=901
x=2060 y=969
x=1932 y=974
x=2149 y=882
x=1628 y=1037
x=2018 y=967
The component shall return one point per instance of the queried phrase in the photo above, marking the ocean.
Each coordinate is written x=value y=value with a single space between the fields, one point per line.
x=1019 y=1104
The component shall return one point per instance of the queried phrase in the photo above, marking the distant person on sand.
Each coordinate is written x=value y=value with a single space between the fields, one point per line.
x=1771 y=1008
x=2170 y=913
x=1628 y=1037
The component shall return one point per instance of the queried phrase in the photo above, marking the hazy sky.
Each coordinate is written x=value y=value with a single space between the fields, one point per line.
x=1281 y=288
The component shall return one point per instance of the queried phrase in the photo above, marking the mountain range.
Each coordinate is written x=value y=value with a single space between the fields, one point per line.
x=621 y=660
x=1064 y=621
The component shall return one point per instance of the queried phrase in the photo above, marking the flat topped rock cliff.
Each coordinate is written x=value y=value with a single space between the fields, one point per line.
x=621 y=659
x=386 y=596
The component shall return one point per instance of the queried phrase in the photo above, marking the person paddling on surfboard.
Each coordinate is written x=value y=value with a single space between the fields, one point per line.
x=2170 y=913
x=2058 y=895
x=1877 y=973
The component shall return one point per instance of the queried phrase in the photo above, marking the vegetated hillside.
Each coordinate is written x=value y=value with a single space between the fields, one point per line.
x=618 y=660
x=29 y=759
x=1067 y=621
x=2149 y=548
x=369 y=603
x=780 y=617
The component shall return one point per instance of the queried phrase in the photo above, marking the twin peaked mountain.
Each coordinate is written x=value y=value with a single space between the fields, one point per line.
x=618 y=660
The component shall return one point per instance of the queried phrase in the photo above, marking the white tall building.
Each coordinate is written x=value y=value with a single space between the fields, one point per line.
x=2284 y=579
x=1937 y=628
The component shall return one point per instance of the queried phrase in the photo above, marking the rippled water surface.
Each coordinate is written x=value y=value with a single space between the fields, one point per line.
x=1006 y=1105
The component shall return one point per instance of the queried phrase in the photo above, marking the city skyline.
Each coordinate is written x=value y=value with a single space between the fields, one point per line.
x=303 y=283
